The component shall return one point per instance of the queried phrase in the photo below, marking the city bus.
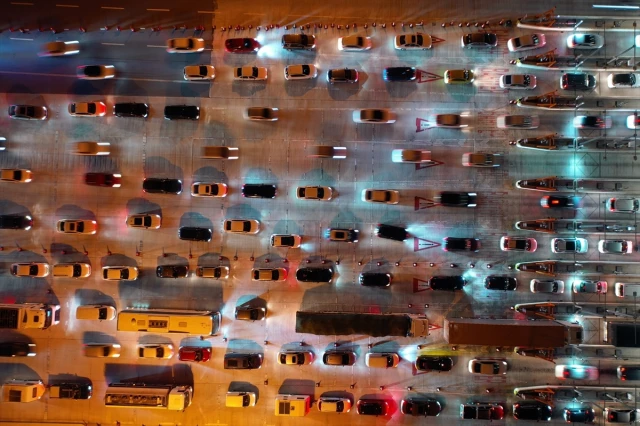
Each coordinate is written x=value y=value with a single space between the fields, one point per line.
x=201 y=323
x=168 y=397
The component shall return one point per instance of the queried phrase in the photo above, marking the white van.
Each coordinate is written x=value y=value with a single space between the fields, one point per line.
x=96 y=312
x=22 y=390
x=241 y=399
x=627 y=289
x=293 y=405
x=381 y=359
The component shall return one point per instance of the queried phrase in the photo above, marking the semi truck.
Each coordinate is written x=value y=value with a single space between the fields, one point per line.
x=24 y=316
x=348 y=323
x=71 y=391
x=511 y=333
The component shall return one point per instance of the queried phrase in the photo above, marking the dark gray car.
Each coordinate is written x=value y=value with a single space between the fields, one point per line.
x=237 y=361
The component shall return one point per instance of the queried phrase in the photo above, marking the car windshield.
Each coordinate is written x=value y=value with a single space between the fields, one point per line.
x=554 y=286
x=419 y=39
x=92 y=71
x=359 y=41
x=246 y=226
x=33 y=270
x=190 y=43
x=585 y=39
x=287 y=241
x=254 y=72
x=202 y=69
x=306 y=70
x=91 y=108
x=124 y=274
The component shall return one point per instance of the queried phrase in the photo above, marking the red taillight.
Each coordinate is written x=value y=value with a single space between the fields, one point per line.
x=565 y=373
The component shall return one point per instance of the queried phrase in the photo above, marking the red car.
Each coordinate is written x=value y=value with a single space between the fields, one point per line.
x=103 y=179
x=241 y=45
x=194 y=354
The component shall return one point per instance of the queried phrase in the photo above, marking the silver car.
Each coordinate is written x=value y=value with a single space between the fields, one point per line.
x=569 y=245
x=518 y=81
x=615 y=246
x=547 y=286
x=623 y=205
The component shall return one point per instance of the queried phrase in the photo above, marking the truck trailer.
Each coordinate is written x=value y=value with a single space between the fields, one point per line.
x=623 y=334
x=348 y=323
x=511 y=333
x=23 y=316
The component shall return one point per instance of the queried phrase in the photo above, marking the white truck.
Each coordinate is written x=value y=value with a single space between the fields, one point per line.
x=21 y=316
x=22 y=390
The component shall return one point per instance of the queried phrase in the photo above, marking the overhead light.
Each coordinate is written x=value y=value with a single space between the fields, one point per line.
x=612 y=6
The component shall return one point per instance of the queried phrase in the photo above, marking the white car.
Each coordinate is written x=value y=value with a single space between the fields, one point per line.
x=327 y=404
x=325 y=151
x=266 y=274
x=158 y=351
x=209 y=189
x=593 y=122
x=117 y=273
x=417 y=41
x=95 y=72
x=294 y=357
x=77 y=226
x=547 y=286
x=585 y=41
x=623 y=80
x=144 y=220
x=385 y=196
x=487 y=366
x=216 y=272
x=285 y=240
x=374 y=116
x=60 y=48
x=354 y=43
x=199 y=72
x=300 y=72
x=518 y=122
x=185 y=45
x=33 y=269
x=577 y=372
x=241 y=226
x=481 y=159
x=71 y=270
x=526 y=42
x=633 y=122
x=569 y=245
x=92 y=148
x=87 y=109
x=250 y=73
x=615 y=246
x=518 y=81
x=16 y=175
x=322 y=193
x=410 y=156
x=623 y=205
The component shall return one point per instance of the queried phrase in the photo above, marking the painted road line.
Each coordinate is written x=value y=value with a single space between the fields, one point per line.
x=67 y=5
x=206 y=11
x=18 y=38
x=75 y=77
x=21 y=4
x=156 y=45
x=159 y=10
x=112 y=7
x=113 y=44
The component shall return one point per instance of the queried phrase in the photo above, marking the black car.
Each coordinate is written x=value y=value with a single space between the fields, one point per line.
x=341 y=75
x=481 y=411
x=339 y=357
x=13 y=349
x=131 y=109
x=236 y=361
x=399 y=74
x=623 y=79
x=420 y=407
x=372 y=407
x=629 y=372
x=561 y=202
x=496 y=282
x=532 y=411
x=259 y=190
x=461 y=244
x=162 y=186
x=193 y=233
x=391 y=232
x=172 y=271
x=18 y=221
x=181 y=112
x=577 y=81
x=579 y=415
x=314 y=275
x=434 y=363
x=458 y=199
x=298 y=42
x=447 y=282
x=375 y=279
x=71 y=391
x=479 y=40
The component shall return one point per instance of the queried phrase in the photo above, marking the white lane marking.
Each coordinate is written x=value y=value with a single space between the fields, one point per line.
x=73 y=76
x=17 y=3
x=67 y=5
x=113 y=44
x=18 y=38
x=156 y=45
x=112 y=7
x=159 y=10
x=206 y=11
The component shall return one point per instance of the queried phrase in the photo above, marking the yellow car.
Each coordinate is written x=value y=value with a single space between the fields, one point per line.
x=458 y=76
x=15 y=175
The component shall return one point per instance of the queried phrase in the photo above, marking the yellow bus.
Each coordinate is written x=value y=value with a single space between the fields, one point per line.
x=201 y=323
